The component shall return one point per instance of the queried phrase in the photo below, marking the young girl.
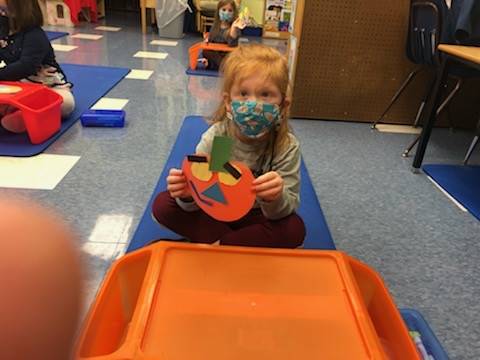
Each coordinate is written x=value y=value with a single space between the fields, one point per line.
x=254 y=113
x=27 y=55
x=226 y=29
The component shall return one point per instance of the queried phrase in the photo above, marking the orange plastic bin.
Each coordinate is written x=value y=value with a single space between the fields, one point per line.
x=172 y=301
x=40 y=106
x=194 y=51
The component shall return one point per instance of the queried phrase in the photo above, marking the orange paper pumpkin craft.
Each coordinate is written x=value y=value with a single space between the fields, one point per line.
x=225 y=195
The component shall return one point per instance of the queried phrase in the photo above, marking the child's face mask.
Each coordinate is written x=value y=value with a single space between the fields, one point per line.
x=225 y=15
x=255 y=119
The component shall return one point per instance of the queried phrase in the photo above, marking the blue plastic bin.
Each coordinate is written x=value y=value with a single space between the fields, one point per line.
x=103 y=118
x=252 y=31
x=416 y=322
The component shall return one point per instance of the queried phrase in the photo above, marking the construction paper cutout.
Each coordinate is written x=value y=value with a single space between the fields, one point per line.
x=228 y=179
x=192 y=185
x=200 y=171
x=197 y=158
x=232 y=170
x=238 y=198
x=221 y=152
x=215 y=193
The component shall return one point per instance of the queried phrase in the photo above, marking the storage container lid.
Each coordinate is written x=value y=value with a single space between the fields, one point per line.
x=248 y=304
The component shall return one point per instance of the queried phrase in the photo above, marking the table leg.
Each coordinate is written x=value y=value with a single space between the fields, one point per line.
x=143 y=13
x=430 y=113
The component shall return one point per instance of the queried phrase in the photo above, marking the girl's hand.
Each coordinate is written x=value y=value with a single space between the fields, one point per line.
x=177 y=184
x=239 y=23
x=269 y=186
x=205 y=37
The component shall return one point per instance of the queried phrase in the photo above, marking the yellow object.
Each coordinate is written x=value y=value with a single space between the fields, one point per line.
x=256 y=9
x=201 y=171
x=245 y=14
x=227 y=179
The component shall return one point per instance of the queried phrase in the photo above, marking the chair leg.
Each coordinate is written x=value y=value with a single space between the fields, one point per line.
x=450 y=96
x=419 y=113
x=428 y=90
x=472 y=147
x=396 y=96
x=204 y=24
x=199 y=22
x=442 y=106
x=409 y=148
x=143 y=14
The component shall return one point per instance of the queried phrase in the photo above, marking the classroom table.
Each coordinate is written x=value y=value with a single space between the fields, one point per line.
x=467 y=55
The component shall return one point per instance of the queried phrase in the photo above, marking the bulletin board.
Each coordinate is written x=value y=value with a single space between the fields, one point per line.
x=351 y=60
x=276 y=19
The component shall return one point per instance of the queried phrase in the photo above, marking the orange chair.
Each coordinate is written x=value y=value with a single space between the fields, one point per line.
x=194 y=51
x=40 y=107
x=183 y=301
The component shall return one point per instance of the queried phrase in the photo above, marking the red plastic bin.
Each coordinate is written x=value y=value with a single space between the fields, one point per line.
x=40 y=107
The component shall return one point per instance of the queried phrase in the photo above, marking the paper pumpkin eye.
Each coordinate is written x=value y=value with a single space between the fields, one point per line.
x=228 y=179
x=201 y=171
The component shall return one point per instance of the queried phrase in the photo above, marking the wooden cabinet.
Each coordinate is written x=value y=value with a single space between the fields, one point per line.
x=144 y=5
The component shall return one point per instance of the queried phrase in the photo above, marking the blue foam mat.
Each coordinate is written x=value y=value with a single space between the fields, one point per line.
x=90 y=84
x=318 y=234
x=415 y=322
x=202 y=72
x=461 y=182
x=53 y=35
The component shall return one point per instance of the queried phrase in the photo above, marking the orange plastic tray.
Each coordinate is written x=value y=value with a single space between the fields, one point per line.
x=40 y=106
x=195 y=50
x=172 y=301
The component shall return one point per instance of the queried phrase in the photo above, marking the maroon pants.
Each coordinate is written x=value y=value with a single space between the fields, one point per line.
x=254 y=229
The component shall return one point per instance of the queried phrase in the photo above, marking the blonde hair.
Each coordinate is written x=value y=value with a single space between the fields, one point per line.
x=257 y=60
x=215 y=30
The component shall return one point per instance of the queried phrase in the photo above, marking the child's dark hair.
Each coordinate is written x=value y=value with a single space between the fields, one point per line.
x=24 y=14
x=215 y=29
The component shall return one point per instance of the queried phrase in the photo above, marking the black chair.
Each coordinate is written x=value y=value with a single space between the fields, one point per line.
x=473 y=145
x=428 y=26
x=431 y=22
x=454 y=32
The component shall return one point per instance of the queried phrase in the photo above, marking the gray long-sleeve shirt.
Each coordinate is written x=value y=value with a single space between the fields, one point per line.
x=257 y=157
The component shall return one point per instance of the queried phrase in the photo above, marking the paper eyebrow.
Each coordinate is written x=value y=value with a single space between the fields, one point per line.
x=232 y=171
x=197 y=158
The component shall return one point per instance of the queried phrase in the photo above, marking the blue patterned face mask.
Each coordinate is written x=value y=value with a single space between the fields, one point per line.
x=255 y=119
x=225 y=15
